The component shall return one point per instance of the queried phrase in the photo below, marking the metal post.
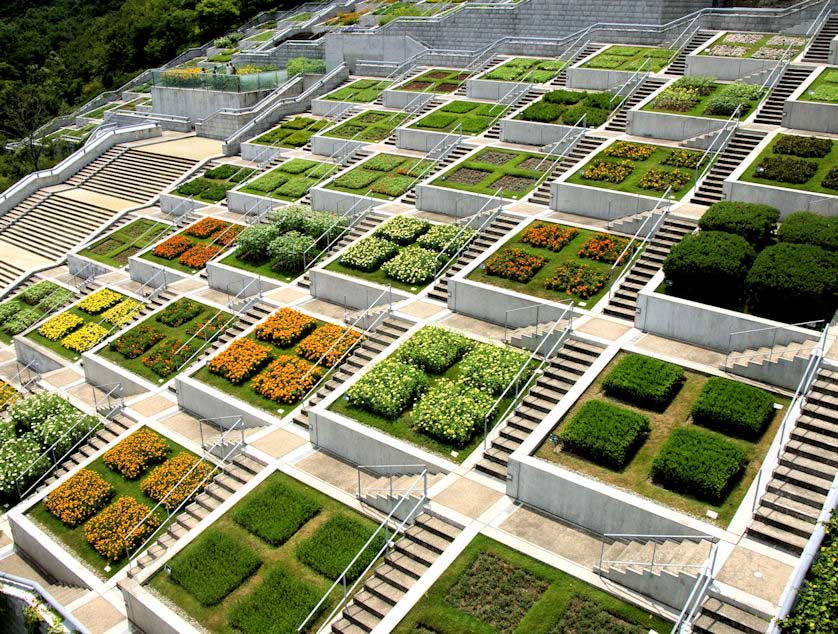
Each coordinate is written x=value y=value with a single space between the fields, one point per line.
x=654 y=552
x=601 y=555
x=201 y=430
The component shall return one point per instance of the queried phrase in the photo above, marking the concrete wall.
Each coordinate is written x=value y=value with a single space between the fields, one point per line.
x=532 y=132
x=673 y=127
x=451 y=202
x=99 y=371
x=833 y=51
x=403 y=98
x=492 y=90
x=810 y=115
x=149 y=613
x=751 y=71
x=349 y=291
x=78 y=264
x=196 y=103
x=323 y=107
x=171 y=202
x=143 y=271
x=231 y=280
x=491 y=303
x=206 y=402
x=660 y=584
x=328 y=146
x=419 y=140
x=42 y=360
x=49 y=556
x=349 y=48
x=596 y=79
x=786 y=200
x=594 y=202
x=257 y=152
x=337 y=202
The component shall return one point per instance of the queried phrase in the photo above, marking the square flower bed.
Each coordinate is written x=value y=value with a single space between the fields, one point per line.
x=290 y=180
x=797 y=162
x=370 y=126
x=160 y=346
x=359 y=91
x=115 y=249
x=294 y=133
x=189 y=250
x=30 y=306
x=640 y=168
x=642 y=426
x=440 y=80
x=532 y=70
x=512 y=172
x=756 y=45
x=556 y=262
x=385 y=176
x=631 y=58
x=467 y=117
x=435 y=390
x=697 y=96
x=566 y=107
x=824 y=89
x=232 y=579
x=212 y=186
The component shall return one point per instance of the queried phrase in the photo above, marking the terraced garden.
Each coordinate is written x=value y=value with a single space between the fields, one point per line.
x=631 y=58
x=566 y=107
x=438 y=80
x=294 y=133
x=115 y=249
x=756 y=46
x=30 y=306
x=533 y=70
x=212 y=186
x=359 y=91
x=290 y=180
x=697 y=96
x=514 y=173
x=371 y=126
x=824 y=89
x=385 y=176
x=467 y=117
x=189 y=250
x=797 y=162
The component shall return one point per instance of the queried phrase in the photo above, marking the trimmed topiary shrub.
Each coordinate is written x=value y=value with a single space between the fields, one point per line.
x=606 y=434
x=753 y=222
x=793 y=283
x=644 y=381
x=803 y=146
x=733 y=408
x=804 y=227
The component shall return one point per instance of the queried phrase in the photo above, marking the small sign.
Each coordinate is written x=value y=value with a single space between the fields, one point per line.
x=455 y=453
x=108 y=568
x=778 y=406
x=582 y=304
x=712 y=514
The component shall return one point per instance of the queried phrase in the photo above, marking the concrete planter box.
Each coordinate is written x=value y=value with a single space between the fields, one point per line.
x=100 y=371
x=150 y=614
x=451 y=202
x=353 y=292
x=205 y=401
x=673 y=127
x=403 y=98
x=419 y=140
x=532 y=132
x=328 y=146
x=257 y=152
x=79 y=264
x=323 y=107
x=594 y=202
x=339 y=202
x=42 y=360
x=171 y=202
x=491 y=303
x=595 y=79
x=786 y=200
x=491 y=89
x=810 y=115
x=231 y=280
x=751 y=71
x=143 y=271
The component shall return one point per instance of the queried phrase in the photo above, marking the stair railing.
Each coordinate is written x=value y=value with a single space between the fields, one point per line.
x=443 y=148
x=635 y=80
x=354 y=217
x=817 y=25
x=31 y=377
x=113 y=401
x=84 y=281
x=214 y=423
x=389 y=540
x=27 y=585
x=682 y=41
x=484 y=218
x=718 y=144
x=516 y=385
x=390 y=475
x=651 y=563
x=696 y=597
x=736 y=351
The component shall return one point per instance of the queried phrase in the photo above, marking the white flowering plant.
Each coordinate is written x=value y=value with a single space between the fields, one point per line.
x=492 y=368
x=369 y=254
x=413 y=265
x=388 y=389
x=434 y=349
x=445 y=237
x=403 y=229
x=452 y=412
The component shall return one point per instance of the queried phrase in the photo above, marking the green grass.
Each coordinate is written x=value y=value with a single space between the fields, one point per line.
x=293 y=186
x=824 y=89
x=264 y=36
x=698 y=109
x=495 y=174
x=377 y=277
x=435 y=613
x=392 y=183
x=475 y=121
x=371 y=125
x=100 y=112
x=55 y=346
x=294 y=133
x=533 y=70
x=360 y=91
x=216 y=618
x=73 y=538
x=631 y=58
x=536 y=285
x=635 y=476
x=812 y=185
x=115 y=249
x=750 y=48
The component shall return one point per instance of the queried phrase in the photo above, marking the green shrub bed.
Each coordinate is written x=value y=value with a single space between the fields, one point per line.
x=824 y=88
x=275 y=512
x=30 y=306
x=438 y=80
x=370 y=126
x=698 y=96
x=531 y=70
x=290 y=180
x=755 y=45
x=115 y=249
x=467 y=117
x=797 y=162
x=733 y=408
x=644 y=381
x=213 y=185
x=605 y=433
x=512 y=172
x=631 y=58
x=804 y=227
x=385 y=176
x=294 y=133
x=359 y=91
x=566 y=107
x=333 y=546
x=754 y=222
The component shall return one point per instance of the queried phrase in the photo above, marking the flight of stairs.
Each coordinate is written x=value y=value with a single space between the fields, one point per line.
x=771 y=111
x=718 y=616
x=789 y=509
x=679 y=64
x=8 y=274
x=497 y=230
x=560 y=80
x=569 y=362
x=582 y=149
x=410 y=558
x=17 y=563
x=620 y=118
x=414 y=115
x=792 y=357
x=529 y=97
x=624 y=300
x=710 y=189
x=818 y=51
x=452 y=157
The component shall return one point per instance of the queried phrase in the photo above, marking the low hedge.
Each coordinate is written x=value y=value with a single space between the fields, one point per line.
x=605 y=434
x=434 y=349
x=752 y=221
x=275 y=512
x=804 y=227
x=803 y=146
x=213 y=566
x=335 y=544
x=733 y=408
x=388 y=389
x=786 y=170
x=699 y=463
x=644 y=381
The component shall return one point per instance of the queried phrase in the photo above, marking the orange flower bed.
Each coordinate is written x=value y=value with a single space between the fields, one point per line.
x=317 y=343
x=107 y=531
x=163 y=480
x=207 y=329
x=226 y=238
x=604 y=248
x=205 y=227
x=549 y=236
x=199 y=255
x=285 y=327
x=172 y=247
x=132 y=456
x=514 y=264
x=240 y=361
x=287 y=379
x=79 y=497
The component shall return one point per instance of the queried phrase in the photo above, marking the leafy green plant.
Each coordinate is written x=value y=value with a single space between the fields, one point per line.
x=605 y=433
x=644 y=381
x=733 y=408
x=276 y=512
x=335 y=544
x=434 y=349
x=492 y=368
x=300 y=65
x=412 y=265
x=287 y=251
x=387 y=389
x=403 y=229
x=279 y=604
x=253 y=242
x=803 y=146
x=805 y=227
x=452 y=412
x=369 y=254
x=786 y=170
x=752 y=221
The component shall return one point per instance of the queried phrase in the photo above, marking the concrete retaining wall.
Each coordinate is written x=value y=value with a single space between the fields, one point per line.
x=99 y=371
x=42 y=360
x=750 y=71
x=327 y=146
x=595 y=79
x=419 y=140
x=258 y=152
x=196 y=103
x=810 y=115
x=673 y=127
x=833 y=51
x=206 y=402
x=451 y=202
x=170 y=202
x=661 y=584
x=403 y=98
x=323 y=107
x=593 y=202
x=338 y=202
x=149 y=613
x=786 y=200
x=143 y=271
x=531 y=132
x=79 y=264
x=345 y=290
x=49 y=556
x=349 y=48
x=491 y=303
x=491 y=89
x=232 y=281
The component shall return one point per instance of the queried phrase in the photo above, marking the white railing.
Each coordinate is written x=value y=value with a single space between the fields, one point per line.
x=718 y=144
x=696 y=598
x=635 y=80
x=389 y=490
x=354 y=217
x=484 y=218
x=651 y=562
x=27 y=585
x=737 y=351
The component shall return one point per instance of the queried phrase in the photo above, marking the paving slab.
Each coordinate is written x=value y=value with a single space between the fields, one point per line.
x=63 y=377
x=95 y=198
x=681 y=350
x=98 y=615
x=191 y=147
x=153 y=405
x=422 y=309
x=755 y=573
x=468 y=497
x=563 y=216
x=279 y=443
x=327 y=309
x=475 y=326
x=334 y=471
x=604 y=328
x=287 y=295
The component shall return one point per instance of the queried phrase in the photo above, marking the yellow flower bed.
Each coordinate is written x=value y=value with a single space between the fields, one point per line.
x=79 y=497
x=60 y=325
x=161 y=481
x=84 y=338
x=99 y=301
x=123 y=312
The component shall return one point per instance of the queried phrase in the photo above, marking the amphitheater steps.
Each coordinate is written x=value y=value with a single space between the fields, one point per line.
x=771 y=111
x=710 y=188
x=620 y=118
x=818 y=51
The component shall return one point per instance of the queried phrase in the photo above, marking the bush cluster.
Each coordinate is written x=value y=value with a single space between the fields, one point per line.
x=644 y=381
x=786 y=170
x=434 y=349
x=733 y=408
x=492 y=368
x=752 y=221
x=452 y=412
x=388 y=389
x=804 y=227
x=605 y=433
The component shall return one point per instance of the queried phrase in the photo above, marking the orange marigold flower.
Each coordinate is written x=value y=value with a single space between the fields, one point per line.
x=132 y=456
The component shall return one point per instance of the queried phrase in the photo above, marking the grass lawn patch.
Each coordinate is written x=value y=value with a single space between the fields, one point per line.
x=467 y=117
x=533 y=70
x=636 y=476
x=333 y=546
x=631 y=58
x=640 y=168
x=115 y=249
x=283 y=590
x=188 y=251
x=290 y=180
x=702 y=97
x=824 y=89
x=755 y=45
x=491 y=587
x=30 y=306
x=560 y=277
x=360 y=91
x=644 y=381
x=212 y=186
x=441 y=80
x=787 y=162
x=275 y=512
x=385 y=176
x=512 y=172
x=294 y=133
x=566 y=107
x=370 y=126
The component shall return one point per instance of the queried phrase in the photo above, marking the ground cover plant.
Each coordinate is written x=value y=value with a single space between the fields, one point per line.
x=490 y=587
x=294 y=133
x=556 y=262
x=333 y=546
x=797 y=162
x=467 y=117
x=189 y=250
x=212 y=186
x=513 y=173
x=531 y=70
x=115 y=249
x=359 y=91
x=278 y=588
x=160 y=346
x=640 y=168
x=290 y=180
x=698 y=96
x=370 y=126
x=631 y=58
x=440 y=80
x=654 y=459
x=824 y=88
x=385 y=176
x=566 y=107
x=756 y=46
x=30 y=306
x=435 y=390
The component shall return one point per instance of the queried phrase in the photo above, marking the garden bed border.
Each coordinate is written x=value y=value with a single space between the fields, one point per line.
x=812 y=116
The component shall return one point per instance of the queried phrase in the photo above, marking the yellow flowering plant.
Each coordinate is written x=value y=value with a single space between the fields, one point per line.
x=60 y=325
x=123 y=312
x=99 y=301
x=84 y=338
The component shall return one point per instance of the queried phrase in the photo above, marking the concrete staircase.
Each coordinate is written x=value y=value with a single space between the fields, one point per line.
x=620 y=118
x=788 y=511
x=720 y=616
x=233 y=476
x=560 y=80
x=792 y=357
x=497 y=230
x=386 y=333
x=19 y=565
x=710 y=189
x=771 y=111
x=586 y=146
x=8 y=274
x=570 y=362
x=679 y=64
x=410 y=558
x=452 y=157
x=818 y=51
x=624 y=300
x=528 y=98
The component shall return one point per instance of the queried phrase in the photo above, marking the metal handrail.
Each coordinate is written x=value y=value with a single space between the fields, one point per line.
x=702 y=583
x=114 y=387
x=490 y=214
x=358 y=470
x=743 y=355
x=69 y=621
x=778 y=70
x=632 y=83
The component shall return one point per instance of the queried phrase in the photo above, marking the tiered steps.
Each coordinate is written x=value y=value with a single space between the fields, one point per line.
x=771 y=111
x=411 y=557
x=391 y=329
x=530 y=96
x=426 y=107
x=497 y=230
x=818 y=51
x=19 y=565
x=620 y=118
x=235 y=474
x=560 y=80
x=586 y=146
x=788 y=511
x=8 y=273
x=22 y=208
x=452 y=157
x=718 y=616
x=677 y=556
x=739 y=361
x=624 y=300
x=569 y=363
x=709 y=191
x=679 y=64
